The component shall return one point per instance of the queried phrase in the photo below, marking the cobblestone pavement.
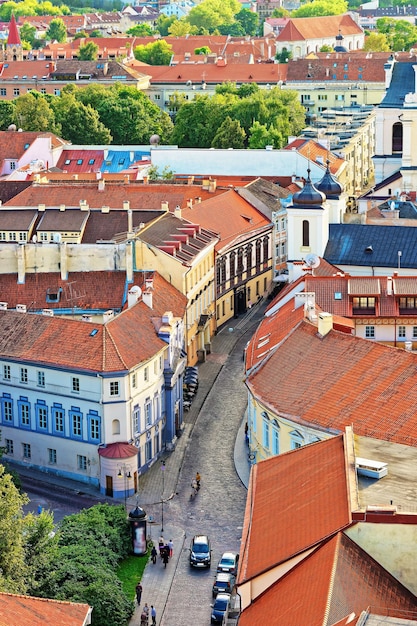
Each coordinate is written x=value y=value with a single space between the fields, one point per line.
x=213 y=444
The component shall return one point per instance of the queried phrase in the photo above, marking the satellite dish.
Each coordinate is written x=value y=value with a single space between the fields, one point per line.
x=312 y=260
x=189 y=83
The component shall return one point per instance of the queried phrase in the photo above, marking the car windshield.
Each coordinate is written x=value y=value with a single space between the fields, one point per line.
x=220 y=605
x=227 y=562
x=200 y=547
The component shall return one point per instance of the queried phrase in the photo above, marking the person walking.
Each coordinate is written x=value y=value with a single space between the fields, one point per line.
x=171 y=548
x=153 y=615
x=165 y=556
x=138 y=592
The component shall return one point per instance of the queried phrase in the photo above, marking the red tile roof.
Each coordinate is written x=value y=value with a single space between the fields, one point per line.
x=82 y=290
x=339 y=380
x=111 y=194
x=121 y=343
x=81 y=160
x=18 y=610
x=295 y=501
x=314 y=151
x=12 y=144
x=304 y=28
x=338 y=580
x=242 y=217
x=357 y=66
x=260 y=73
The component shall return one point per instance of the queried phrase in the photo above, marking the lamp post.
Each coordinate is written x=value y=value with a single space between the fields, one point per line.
x=162 y=496
x=124 y=471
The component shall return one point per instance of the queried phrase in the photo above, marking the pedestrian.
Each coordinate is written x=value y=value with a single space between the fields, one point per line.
x=165 y=556
x=246 y=433
x=171 y=548
x=153 y=554
x=161 y=544
x=138 y=592
x=153 y=615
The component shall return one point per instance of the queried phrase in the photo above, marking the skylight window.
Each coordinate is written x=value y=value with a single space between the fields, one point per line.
x=79 y=162
x=91 y=162
x=67 y=161
x=94 y=332
x=337 y=295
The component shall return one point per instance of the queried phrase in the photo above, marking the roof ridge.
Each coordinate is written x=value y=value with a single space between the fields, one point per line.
x=107 y=331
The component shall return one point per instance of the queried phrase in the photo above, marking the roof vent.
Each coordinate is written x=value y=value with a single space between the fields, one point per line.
x=3 y=306
x=48 y=312
x=21 y=308
x=369 y=250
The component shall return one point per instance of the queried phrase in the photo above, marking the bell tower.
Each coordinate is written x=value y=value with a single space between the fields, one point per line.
x=13 y=50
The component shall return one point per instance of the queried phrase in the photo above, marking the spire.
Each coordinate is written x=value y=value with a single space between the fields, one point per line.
x=309 y=196
x=13 y=38
x=329 y=185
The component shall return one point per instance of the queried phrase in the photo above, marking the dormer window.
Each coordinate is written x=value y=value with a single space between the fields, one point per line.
x=53 y=295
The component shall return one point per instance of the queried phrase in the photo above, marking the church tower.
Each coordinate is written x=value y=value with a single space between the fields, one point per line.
x=13 y=50
x=307 y=224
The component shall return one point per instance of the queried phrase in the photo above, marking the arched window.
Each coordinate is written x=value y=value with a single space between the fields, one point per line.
x=397 y=137
x=306 y=233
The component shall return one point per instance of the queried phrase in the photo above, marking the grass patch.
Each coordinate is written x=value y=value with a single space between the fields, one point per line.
x=129 y=571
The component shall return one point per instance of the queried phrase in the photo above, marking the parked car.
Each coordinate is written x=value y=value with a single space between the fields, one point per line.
x=228 y=563
x=200 y=551
x=223 y=583
x=220 y=608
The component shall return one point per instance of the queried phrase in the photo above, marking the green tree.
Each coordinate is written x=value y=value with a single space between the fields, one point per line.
x=211 y=14
x=95 y=33
x=140 y=30
x=317 y=8
x=47 y=8
x=7 y=114
x=284 y=56
x=13 y=568
x=56 y=31
x=202 y=50
x=88 y=51
x=41 y=548
x=128 y=113
x=261 y=135
x=155 y=53
x=80 y=35
x=181 y=28
x=280 y=12
x=326 y=48
x=33 y=112
x=162 y=23
x=80 y=123
x=27 y=33
x=400 y=34
x=376 y=42
x=249 y=21
x=229 y=135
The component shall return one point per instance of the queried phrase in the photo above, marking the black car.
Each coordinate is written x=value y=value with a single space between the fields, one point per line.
x=223 y=583
x=200 y=551
x=220 y=608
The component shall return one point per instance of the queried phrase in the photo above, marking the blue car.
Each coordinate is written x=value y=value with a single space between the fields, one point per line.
x=220 y=608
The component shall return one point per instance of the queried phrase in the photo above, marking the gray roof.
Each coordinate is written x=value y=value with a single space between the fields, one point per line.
x=348 y=244
x=402 y=83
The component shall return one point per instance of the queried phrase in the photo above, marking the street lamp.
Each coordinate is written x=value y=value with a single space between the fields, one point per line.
x=162 y=496
x=125 y=472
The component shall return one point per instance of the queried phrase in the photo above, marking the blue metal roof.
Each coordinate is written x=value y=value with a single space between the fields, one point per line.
x=118 y=160
x=402 y=83
x=348 y=245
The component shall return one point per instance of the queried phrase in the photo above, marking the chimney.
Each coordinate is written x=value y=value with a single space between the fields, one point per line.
x=62 y=207
x=133 y=295
x=21 y=308
x=87 y=318
x=101 y=184
x=190 y=203
x=212 y=186
x=177 y=211
x=325 y=323
x=129 y=221
x=126 y=205
x=105 y=209
x=126 y=179
x=108 y=315
x=145 y=180
x=389 y=286
x=41 y=207
x=83 y=205
x=164 y=205
x=147 y=297
x=48 y=312
x=105 y=68
x=190 y=180
x=3 y=306
x=148 y=283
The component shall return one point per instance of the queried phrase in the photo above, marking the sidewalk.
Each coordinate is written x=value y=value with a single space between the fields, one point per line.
x=157 y=580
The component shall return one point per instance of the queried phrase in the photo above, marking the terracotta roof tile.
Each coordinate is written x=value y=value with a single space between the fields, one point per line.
x=121 y=343
x=81 y=160
x=82 y=290
x=300 y=28
x=357 y=67
x=18 y=610
x=339 y=380
x=338 y=579
x=242 y=217
x=284 y=497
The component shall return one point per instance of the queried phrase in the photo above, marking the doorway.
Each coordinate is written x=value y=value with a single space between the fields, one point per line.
x=109 y=486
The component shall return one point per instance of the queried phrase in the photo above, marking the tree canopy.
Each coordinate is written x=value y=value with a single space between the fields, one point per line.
x=212 y=14
x=400 y=34
x=56 y=31
x=318 y=8
x=197 y=122
x=88 y=51
x=154 y=53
